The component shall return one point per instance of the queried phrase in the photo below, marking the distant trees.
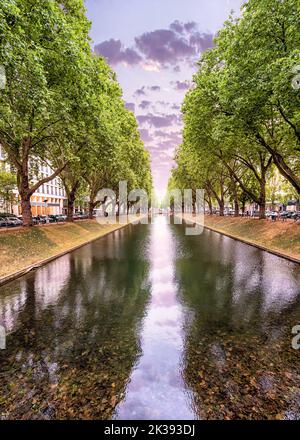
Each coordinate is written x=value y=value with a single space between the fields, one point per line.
x=62 y=105
x=7 y=185
x=242 y=118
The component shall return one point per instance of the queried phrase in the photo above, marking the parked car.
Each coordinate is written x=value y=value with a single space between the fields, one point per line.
x=285 y=215
x=269 y=213
x=272 y=215
x=62 y=218
x=56 y=218
x=52 y=218
x=229 y=212
x=80 y=216
x=3 y=222
x=42 y=219
x=296 y=215
x=13 y=222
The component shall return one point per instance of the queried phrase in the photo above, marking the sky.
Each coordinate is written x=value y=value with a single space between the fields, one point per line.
x=153 y=46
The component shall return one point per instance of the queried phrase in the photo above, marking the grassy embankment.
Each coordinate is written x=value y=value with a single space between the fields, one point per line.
x=25 y=247
x=281 y=237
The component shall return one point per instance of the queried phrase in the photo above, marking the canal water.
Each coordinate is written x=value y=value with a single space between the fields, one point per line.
x=148 y=323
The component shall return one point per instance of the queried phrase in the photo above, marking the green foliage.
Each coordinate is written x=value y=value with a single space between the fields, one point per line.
x=243 y=115
x=7 y=185
x=62 y=105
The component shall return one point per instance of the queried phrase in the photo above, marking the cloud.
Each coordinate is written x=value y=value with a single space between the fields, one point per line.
x=181 y=85
x=164 y=46
x=144 y=105
x=115 y=53
x=177 y=26
x=160 y=48
x=163 y=103
x=190 y=26
x=140 y=92
x=182 y=41
x=173 y=136
x=130 y=106
x=201 y=41
x=158 y=121
x=154 y=88
x=145 y=135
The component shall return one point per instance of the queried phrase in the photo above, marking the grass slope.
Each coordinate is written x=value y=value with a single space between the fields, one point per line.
x=279 y=236
x=24 y=247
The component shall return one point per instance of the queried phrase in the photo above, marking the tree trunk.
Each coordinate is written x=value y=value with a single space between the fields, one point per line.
x=243 y=207
x=236 y=207
x=222 y=202
x=26 y=211
x=280 y=163
x=209 y=202
x=221 y=205
x=262 y=200
x=91 y=209
x=70 y=211
x=23 y=186
x=286 y=172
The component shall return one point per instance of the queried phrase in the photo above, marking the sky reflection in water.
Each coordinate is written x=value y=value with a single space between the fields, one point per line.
x=148 y=323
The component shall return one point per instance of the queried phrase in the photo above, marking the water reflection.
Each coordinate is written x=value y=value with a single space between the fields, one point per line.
x=156 y=389
x=73 y=331
x=148 y=323
x=238 y=356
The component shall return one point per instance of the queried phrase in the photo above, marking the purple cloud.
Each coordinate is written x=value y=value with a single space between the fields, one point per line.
x=145 y=135
x=130 y=106
x=191 y=26
x=180 y=42
x=164 y=46
x=177 y=26
x=171 y=138
x=140 y=92
x=201 y=41
x=158 y=121
x=163 y=103
x=154 y=88
x=180 y=27
x=144 y=105
x=181 y=85
x=115 y=53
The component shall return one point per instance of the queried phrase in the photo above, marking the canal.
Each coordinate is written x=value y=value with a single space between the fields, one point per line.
x=148 y=323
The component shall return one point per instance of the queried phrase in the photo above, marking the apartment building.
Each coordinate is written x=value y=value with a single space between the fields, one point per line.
x=49 y=198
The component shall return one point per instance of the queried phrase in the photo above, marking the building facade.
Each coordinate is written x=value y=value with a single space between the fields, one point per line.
x=49 y=198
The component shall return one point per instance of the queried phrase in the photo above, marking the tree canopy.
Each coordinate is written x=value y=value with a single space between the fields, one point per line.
x=242 y=116
x=62 y=105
